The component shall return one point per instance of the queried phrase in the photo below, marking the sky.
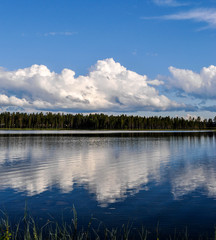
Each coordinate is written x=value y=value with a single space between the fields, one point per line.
x=152 y=57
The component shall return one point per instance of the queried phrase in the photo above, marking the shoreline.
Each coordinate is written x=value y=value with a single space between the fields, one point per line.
x=108 y=131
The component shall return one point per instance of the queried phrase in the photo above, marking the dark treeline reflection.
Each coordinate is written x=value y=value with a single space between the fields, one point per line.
x=99 y=121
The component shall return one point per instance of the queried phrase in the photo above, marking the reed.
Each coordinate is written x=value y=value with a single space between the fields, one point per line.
x=27 y=229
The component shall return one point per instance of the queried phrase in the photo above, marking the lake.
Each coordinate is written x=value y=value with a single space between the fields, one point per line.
x=144 y=178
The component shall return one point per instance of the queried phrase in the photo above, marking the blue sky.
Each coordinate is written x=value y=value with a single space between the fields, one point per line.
x=161 y=52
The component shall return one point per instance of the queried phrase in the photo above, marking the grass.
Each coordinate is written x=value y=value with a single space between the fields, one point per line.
x=27 y=229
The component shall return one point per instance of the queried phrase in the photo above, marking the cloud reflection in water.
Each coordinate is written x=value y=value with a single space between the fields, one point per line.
x=111 y=168
x=107 y=167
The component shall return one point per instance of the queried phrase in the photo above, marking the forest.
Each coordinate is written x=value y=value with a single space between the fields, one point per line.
x=99 y=121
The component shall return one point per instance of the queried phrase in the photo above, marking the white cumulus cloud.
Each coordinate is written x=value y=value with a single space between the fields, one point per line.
x=108 y=87
x=202 y=85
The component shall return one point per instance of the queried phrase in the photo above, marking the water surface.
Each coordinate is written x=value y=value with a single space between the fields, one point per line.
x=141 y=177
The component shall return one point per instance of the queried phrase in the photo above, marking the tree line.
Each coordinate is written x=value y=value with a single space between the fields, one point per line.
x=99 y=121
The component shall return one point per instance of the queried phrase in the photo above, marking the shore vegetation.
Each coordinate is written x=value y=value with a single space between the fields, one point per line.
x=17 y=120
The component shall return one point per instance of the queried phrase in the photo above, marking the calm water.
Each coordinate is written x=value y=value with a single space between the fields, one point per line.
x=144 y=178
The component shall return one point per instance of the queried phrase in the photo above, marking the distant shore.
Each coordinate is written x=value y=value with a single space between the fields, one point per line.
x=109 y=130
x=57 y=121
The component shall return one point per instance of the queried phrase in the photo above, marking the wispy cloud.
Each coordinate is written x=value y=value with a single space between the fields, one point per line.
x=170 y=3
x=59 y=34
x=151 y=54
x=199 y=15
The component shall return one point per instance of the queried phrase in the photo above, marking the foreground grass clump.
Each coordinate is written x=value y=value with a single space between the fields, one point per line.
x=27 y=229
